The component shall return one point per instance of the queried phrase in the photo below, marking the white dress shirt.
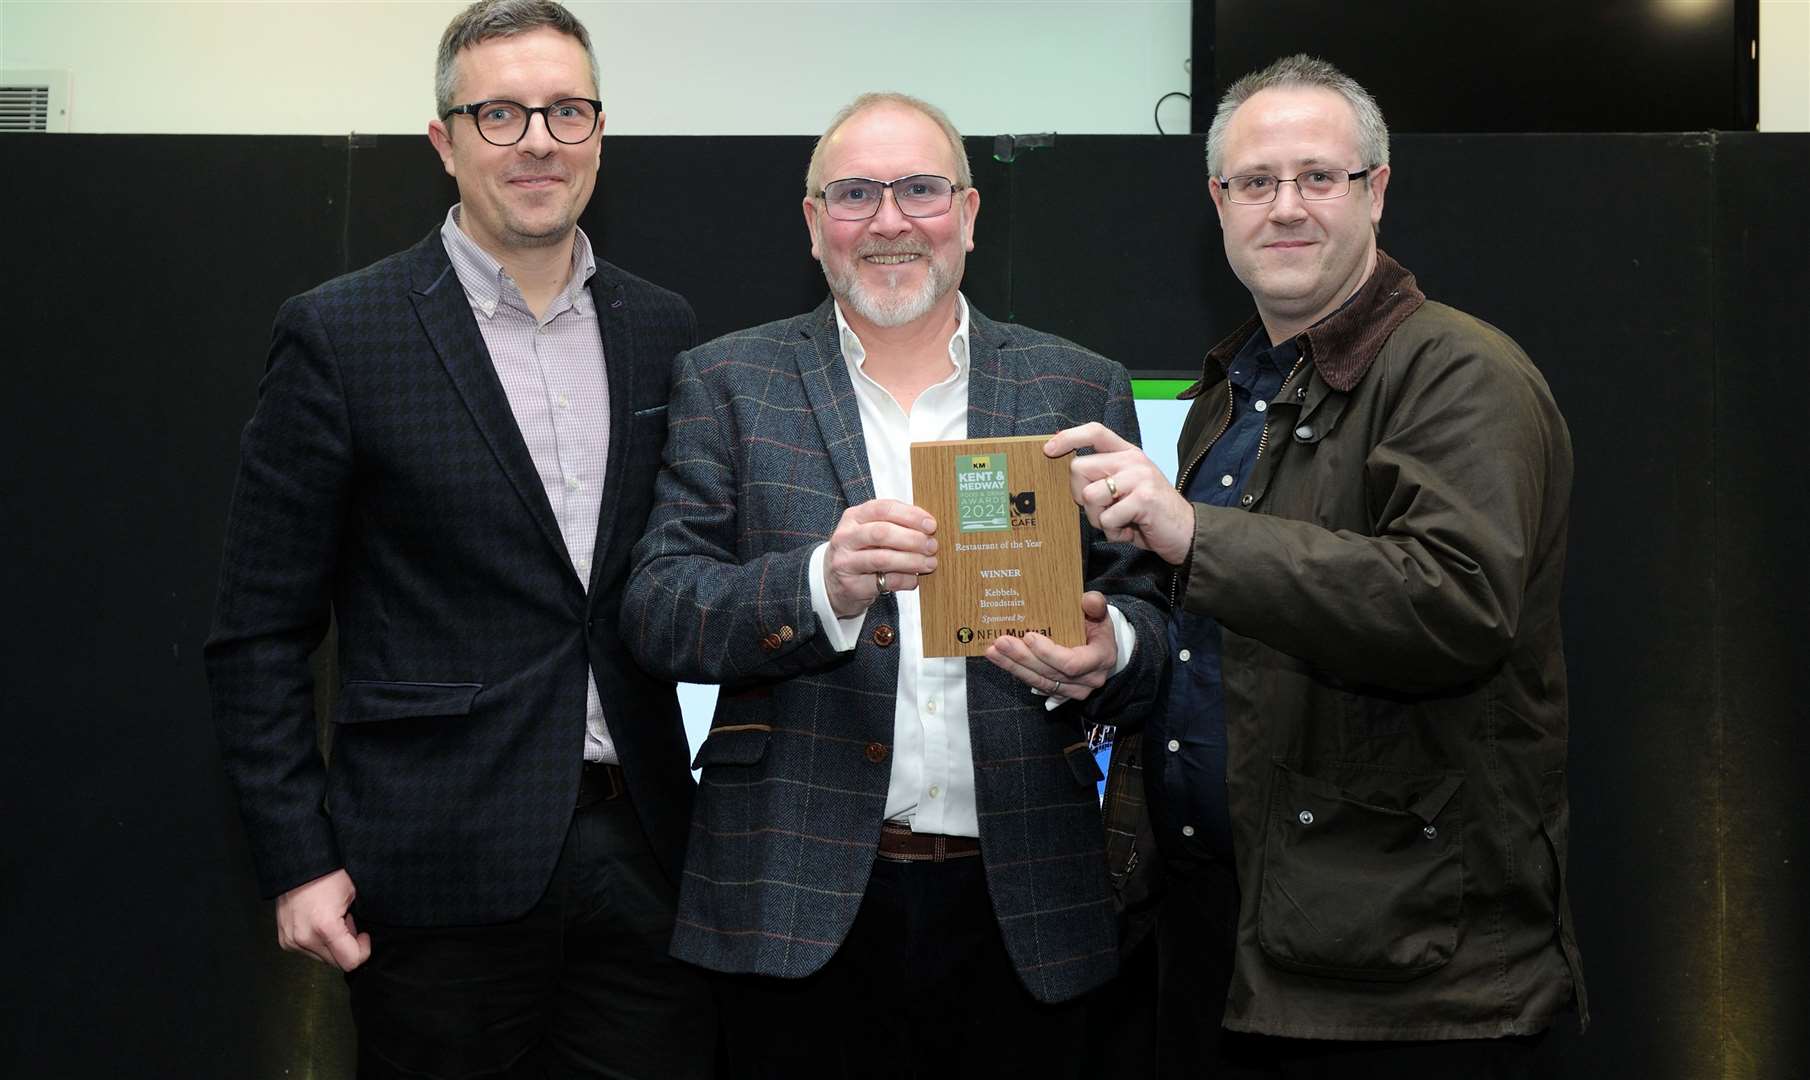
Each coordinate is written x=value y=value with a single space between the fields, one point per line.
x=552 y=371
x=932 y=785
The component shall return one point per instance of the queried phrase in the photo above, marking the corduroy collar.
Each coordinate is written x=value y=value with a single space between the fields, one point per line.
x=1343 y=346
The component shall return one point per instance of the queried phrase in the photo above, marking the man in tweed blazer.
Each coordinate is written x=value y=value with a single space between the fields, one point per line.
x=452 y=453
x=898 y=860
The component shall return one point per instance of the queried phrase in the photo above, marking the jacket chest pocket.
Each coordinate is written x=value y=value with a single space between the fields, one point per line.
x=1363 y=872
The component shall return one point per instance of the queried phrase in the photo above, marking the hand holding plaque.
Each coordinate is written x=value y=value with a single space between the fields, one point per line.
x=1009 y=552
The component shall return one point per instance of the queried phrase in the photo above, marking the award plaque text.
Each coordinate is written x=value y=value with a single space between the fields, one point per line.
x=1008 y=556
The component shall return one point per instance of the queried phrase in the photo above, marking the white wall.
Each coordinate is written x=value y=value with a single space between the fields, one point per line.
x=1785 y=65
x=681 y=67
x=678 y=67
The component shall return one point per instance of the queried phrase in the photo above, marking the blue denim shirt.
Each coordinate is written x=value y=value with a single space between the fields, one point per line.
x=1186 y=747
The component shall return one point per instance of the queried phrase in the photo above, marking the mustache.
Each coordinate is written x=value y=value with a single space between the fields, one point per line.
x=892 y=247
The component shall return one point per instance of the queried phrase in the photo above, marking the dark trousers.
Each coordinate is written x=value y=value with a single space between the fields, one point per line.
x=579 y=986
x=1195 y=937
x=921 y=987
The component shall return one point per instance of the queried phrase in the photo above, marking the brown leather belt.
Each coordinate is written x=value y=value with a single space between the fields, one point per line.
x=899 y=844
x=600 y=782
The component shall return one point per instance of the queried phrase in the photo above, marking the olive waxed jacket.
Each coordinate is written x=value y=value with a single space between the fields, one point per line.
x=1394 y=679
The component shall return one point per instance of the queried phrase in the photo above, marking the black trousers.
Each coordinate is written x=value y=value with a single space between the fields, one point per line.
x=1195 y=937
x=580 y=986
x=921 y=987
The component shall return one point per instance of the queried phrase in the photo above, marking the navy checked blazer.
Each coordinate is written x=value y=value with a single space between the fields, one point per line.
x=383 y=479
x=764 y=454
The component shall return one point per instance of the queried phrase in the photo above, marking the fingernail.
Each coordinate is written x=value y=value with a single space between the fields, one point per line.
x=930 y=548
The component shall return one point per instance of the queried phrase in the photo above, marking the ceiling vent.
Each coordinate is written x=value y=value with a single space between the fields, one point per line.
x=34 y=101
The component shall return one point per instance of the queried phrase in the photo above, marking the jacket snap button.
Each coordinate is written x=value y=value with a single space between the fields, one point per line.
x=1300 y=393
x=1429 y=832
x=1306 y=816
x=1304 y=432
x=876 y=752
x=1246 y=499
x=883 y=635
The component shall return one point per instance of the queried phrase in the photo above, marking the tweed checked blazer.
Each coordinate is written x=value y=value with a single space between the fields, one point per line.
x=765 y=453
x=383 y=478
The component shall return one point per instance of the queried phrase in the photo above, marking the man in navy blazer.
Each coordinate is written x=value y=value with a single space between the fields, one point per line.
x=896 y=861
x=452 y=452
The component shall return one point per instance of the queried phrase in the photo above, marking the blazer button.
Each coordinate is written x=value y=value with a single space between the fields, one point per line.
x=785 y=633
x=876 y=752
x=770 y=642
x=883 y=635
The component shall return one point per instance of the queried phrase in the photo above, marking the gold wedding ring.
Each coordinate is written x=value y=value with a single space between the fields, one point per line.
x=1112 y=488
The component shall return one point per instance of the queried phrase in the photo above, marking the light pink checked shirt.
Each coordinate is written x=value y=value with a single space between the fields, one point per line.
x=552 y=370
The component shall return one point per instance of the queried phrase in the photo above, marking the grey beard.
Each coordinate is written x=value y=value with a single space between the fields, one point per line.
x=895 y=311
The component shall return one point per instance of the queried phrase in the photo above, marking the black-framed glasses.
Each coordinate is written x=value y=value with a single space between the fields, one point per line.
x=505 y=123
x=1314 y=185
x=858 y=197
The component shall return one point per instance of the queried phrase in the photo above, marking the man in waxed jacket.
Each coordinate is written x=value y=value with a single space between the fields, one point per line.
x=1356 y=791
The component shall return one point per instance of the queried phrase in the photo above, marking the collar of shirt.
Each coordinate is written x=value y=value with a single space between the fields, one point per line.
x=487 y=284
x=1245 y=369
x=856 y=355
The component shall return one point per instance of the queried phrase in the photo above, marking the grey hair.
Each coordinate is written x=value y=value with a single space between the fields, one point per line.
x=1292 y=72
x=964 y=176
x=488 y=19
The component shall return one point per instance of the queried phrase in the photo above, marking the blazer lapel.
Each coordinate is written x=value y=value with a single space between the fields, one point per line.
x=620 y=352
x=833 y=404
x=992 y=389
x=446 y=317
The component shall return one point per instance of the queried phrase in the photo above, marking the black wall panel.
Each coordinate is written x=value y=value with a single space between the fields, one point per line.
x=140 y=274
x=1668 y=315
x=1761 y=648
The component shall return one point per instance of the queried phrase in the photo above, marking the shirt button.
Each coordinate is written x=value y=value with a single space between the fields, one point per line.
x=930 y=707
x=571 y=483
x=1187 y=830
x=1261 y=406
x=1226 y=480
x=1175 y=745
x=935 y=791
x=1185 y=655
x=564 y=402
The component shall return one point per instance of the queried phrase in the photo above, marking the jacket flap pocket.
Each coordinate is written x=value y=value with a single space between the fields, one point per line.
x=1428 y=806
x=1362 y=873
x=733 y=744
x=364 y=700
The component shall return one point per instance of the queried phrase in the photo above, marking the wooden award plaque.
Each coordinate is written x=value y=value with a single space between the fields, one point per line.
x=1008 y=556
